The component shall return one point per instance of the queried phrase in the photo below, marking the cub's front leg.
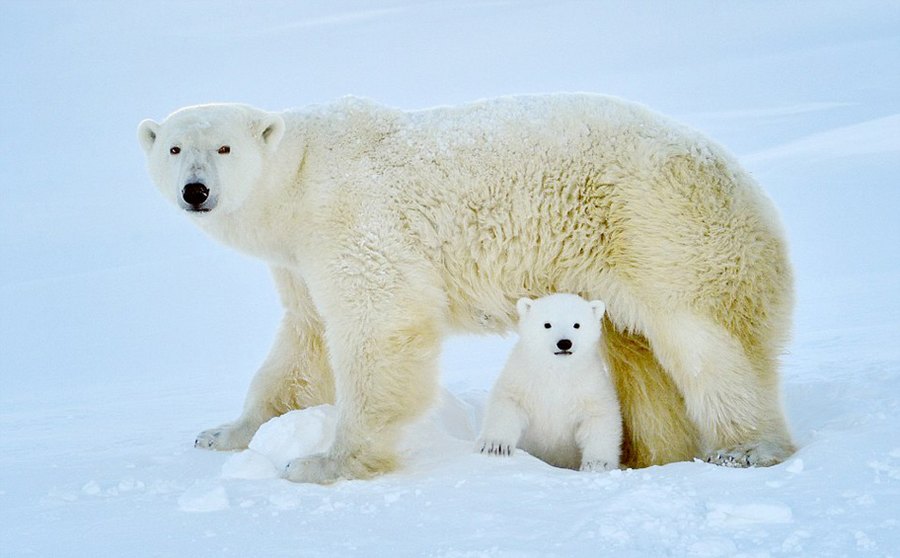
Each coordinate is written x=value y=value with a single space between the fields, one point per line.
x=504 y=423
x=599 y=437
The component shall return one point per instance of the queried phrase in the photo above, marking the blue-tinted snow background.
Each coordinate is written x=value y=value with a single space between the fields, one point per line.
x=124 y=331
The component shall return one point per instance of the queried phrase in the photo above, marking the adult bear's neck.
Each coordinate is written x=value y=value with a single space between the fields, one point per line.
x=271 y=224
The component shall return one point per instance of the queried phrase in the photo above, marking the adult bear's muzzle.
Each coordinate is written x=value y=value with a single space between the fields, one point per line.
x=195 y=196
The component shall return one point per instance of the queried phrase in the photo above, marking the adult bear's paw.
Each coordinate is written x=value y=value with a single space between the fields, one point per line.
x=319 y=469
x=326 y=468
x=756 y=454
x=224 y=438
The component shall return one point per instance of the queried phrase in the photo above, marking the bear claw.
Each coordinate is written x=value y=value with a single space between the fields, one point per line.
x=496 y=448
x=761 y=454
x=224 y=438
x=319 y=469
x=596 y=466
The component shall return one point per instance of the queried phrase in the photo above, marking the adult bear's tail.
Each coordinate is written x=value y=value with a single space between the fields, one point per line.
x=657 y=429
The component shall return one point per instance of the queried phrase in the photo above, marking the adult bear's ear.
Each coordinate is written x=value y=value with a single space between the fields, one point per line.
x=270 y=130
x=599 y=307
x=147 y=132
x=523 y=306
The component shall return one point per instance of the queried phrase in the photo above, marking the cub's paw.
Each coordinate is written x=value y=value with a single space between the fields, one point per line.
x=598 y=466
x=319 y=469
x=224 y=438
x=495 y=447
x=757 y=454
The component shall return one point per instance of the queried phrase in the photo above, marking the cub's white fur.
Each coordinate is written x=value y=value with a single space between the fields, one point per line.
x=555 y=398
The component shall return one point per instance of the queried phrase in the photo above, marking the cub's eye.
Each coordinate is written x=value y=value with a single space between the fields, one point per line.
x=175 y=150
x=225 y=150
x=576 y=326
x=547 y=326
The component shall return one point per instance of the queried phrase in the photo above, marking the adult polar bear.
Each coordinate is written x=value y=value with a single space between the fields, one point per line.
x=386 y=229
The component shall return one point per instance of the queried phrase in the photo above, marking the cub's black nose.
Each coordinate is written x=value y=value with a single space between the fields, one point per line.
x=195 y=194
x=564 y=344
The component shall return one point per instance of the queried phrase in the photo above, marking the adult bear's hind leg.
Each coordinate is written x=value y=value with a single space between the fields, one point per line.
x=735 y=404
x=657 y=429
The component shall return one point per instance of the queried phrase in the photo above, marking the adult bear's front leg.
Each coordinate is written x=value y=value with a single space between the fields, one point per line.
x=384 y=354
x=295 y=375
x=271 y=392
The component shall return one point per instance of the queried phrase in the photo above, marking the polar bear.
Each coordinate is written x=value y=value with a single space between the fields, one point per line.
x=555 y=398
x=387 y=230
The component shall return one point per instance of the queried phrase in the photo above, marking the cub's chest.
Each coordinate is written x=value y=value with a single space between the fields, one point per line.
x=556 y=394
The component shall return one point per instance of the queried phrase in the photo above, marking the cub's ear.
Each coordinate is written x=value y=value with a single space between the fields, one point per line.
x=599 y=307
x=523 y=306
x=270 y=130
x=147 y=132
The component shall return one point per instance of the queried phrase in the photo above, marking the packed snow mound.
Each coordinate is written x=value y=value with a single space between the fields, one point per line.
x=282 y=439
x=450 y=426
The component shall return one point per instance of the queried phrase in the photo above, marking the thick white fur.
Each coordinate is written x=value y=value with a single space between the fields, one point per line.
x=388 y=229
x=561 y=408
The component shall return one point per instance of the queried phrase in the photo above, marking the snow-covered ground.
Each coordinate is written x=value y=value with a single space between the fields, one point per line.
x=124 y=331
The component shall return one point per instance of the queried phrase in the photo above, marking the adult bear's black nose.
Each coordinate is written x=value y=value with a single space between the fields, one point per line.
x=564 y=344
x=195 y=194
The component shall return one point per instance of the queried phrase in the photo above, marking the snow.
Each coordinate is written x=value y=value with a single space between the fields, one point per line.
x=124 y=331
x=282 y=439
x=881 y=135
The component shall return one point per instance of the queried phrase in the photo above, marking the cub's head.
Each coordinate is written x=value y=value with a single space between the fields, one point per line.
x=207 y=158
x=561 y=326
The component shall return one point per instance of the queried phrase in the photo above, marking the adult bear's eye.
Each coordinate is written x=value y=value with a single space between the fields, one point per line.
x=547 y=326
x=225 y=150
x=175 y=150
x=576 y=326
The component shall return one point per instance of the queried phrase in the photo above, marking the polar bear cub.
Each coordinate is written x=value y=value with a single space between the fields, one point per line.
x=555 y=397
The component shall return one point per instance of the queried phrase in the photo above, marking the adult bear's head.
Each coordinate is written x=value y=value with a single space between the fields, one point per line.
x=207 y=158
